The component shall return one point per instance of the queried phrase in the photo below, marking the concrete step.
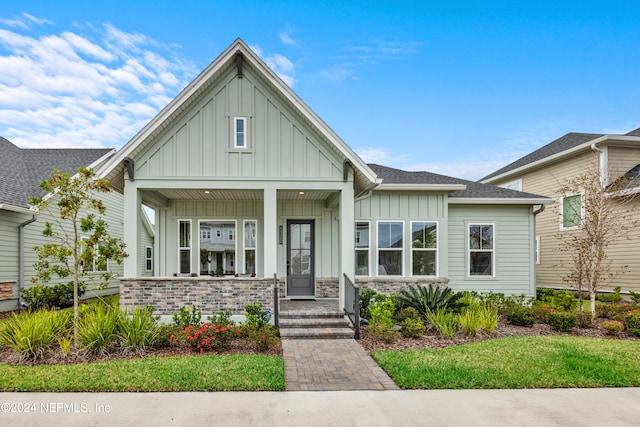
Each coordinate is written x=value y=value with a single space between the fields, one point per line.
x=316 y=333
x=310 y=314
x=317 y=322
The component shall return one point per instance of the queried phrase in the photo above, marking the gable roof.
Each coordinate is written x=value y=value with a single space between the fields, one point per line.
x=114 y=169
x=22 y=170
x=565 y=145
x=461 y=190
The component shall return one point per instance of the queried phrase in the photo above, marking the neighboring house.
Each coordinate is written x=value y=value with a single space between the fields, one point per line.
x=545 y=170
x=244 y=176
x=21 y=172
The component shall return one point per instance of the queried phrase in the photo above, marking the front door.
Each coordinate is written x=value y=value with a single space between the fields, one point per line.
x=300 y=257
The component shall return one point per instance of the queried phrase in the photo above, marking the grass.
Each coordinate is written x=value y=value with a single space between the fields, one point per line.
x=186 y=373
x=517 y=362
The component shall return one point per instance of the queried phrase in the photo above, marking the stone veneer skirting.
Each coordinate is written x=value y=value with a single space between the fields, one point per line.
x=388 y=285
x=6 y=290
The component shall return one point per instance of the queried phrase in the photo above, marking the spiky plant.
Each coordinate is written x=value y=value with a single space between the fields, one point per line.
x=431 y=299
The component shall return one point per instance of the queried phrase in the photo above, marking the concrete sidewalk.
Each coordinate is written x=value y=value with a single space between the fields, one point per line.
x=557 y=407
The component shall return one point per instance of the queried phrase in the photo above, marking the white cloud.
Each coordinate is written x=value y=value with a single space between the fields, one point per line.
x=280 y=64
x=286 y=38
x=83 y=88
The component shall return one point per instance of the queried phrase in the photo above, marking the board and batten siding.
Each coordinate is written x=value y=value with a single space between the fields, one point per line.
x=514 y=248
x=326 y=231
x=405 y=206
x=200 y=142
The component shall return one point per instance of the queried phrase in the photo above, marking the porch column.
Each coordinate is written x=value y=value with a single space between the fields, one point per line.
x=270 y=241
x=347 y=236
x=132 y=207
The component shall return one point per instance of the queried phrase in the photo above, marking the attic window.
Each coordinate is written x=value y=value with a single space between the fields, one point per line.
x=240 y=132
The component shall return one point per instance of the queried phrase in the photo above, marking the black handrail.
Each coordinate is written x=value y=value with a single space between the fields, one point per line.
x=276 y=310
x=352 y=304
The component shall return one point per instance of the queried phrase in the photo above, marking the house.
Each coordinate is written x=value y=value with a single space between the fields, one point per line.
x=248 y=182
x=546 y=169
x=21 y=172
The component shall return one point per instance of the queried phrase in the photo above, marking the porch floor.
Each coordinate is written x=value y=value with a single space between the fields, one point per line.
x=328 y=364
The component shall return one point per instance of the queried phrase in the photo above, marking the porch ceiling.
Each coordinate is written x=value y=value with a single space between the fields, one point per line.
x=205 y=194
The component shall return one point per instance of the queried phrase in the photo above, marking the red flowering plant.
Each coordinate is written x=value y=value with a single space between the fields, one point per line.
x=207 y=337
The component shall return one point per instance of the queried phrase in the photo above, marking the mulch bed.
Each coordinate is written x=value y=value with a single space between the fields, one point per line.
x=432 y=340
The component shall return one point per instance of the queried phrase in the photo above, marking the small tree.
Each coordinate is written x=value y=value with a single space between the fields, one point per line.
x=604 y=219
x=67 y=253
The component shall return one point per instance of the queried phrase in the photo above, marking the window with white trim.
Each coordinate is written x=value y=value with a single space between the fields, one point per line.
x=240 y=132
x=184 y=246
x=148 y=258
x=424 y=248
x=250 y=246
x=390 y=247
x=218 y=254
x=513 y=185
x=362 y=244
x=571 y=211
x=100 y=264
x=481 y=250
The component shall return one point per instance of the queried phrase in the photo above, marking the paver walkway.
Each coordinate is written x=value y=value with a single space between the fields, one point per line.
x=328 y=364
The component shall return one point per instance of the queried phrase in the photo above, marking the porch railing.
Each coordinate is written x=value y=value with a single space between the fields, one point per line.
x=352 y=304
x=276 y=309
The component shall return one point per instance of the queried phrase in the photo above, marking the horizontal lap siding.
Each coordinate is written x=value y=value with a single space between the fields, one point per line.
x=513 y=248
x=9 y=222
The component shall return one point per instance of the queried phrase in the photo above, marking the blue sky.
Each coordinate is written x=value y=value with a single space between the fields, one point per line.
x=455 y=87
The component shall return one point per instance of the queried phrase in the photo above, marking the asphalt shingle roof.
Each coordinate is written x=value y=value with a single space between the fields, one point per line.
x=22 y=170
x=474 y=189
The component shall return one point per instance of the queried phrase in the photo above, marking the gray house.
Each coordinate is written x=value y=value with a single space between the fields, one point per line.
x=238 y=153
x=21 y=172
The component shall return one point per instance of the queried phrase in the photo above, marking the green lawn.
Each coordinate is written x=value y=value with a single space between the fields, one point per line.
x=186 y=373
x=517 y=362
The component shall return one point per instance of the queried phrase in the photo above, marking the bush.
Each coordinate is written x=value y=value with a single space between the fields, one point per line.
x=381 y=323
x=561 y=321
x=564 y=300
x=31 y=333
x=256 y=316
x=614 y=297
x=166 y=334
x=412 y=328
x=407 y=313
x=491 y=299
x=222 y=318
x=431 y=299
x=635 y=297
x=632 y=324
x=46 y=297
x=98 y=327
x=520 y=316
x=583 y=318
x=186 y=317
x=540 y=310
x=139 y=330
x=366 y=296
x=488 y=318
x=470 y=322
x=612 y=327
x=611 y=310
x=446 y=323
x=206 y=337
x=264 y=336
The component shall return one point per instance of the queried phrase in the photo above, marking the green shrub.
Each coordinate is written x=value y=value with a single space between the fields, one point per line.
x=612 y=327
x=614 y=297
x=564 y=300
x=366 y=296
x=488 y=318
x=635 y=297
x=470 y=322
x=98 y=327
x=206 y=337
x=166 y=335
x=30 y=333
x=412 y=328
x=431 y=299
x=445 y=322
x=632 y=324
x=583 y=318
x=540 y=310
x=138 y=331
x=381 y=323
x=186 y=317
x=614 y=311
x=46 y=297
x=256 y=316
x=561 y=321
x=263 y=336
x=545 y=295
x=492 y=299
x=407 y=313
x=222 y=318
x=520 y=316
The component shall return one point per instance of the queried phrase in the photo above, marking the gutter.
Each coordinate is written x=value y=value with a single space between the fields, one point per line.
x=539 y=211
x=21 y=257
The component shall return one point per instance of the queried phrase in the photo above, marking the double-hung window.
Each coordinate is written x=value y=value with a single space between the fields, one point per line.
x=184 y=246
x=424 y=248
x=390 y=247
x=481 y=250
x=148 y=258
x=250 y=246
x=362 y=248
x=571 y=211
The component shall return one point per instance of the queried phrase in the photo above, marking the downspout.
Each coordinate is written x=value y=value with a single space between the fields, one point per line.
x=21 y=257
x=602 y=163
x=539 y=211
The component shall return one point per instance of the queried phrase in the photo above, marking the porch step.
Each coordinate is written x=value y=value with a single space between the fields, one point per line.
x=316 y=333
x=311 y=315
x=311 y=322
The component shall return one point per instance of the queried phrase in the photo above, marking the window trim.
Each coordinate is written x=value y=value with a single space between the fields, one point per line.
x=493 y=251
x=244 y=248
x=245 y=133
x=222 y=235
x=190 y=247
x=368 y=248
x=93 y=266
x=516 y=182
x=436 y=249
x=582 y=211
x=401 y=250
x=537 y=250
x=148 y=259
